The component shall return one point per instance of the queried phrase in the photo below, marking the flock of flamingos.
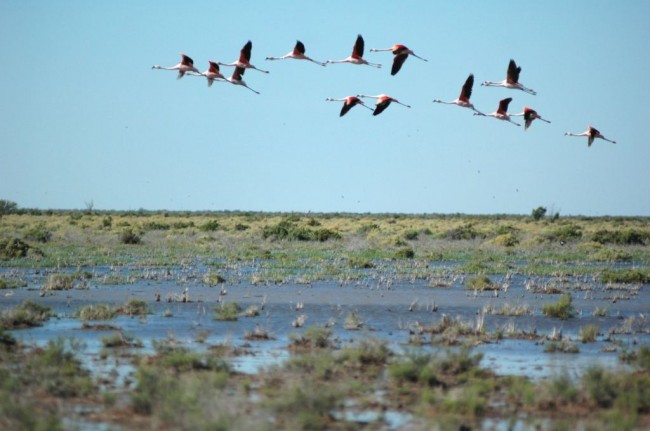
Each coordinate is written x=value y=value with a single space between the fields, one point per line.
x=400 y=54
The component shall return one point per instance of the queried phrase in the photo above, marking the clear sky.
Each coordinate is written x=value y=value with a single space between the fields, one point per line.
x=83 y=117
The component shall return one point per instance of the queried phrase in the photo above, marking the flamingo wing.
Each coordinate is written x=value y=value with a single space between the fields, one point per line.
x=398 y=61
x=186 y=60
x=513 y=72
x=238 y=73
x=381 y=106
x=357 y=50
x=503 y=105
x=245 y=53
x=466 y=92
x=347 y=105
x=299 y=49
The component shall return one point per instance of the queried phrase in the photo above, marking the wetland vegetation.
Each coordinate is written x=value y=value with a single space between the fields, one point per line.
x=360 y=321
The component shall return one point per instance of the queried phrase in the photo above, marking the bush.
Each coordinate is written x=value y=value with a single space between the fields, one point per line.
x=13 y=248
x=96 y=312
x=567 y=232
x=464 y=232
x=539 y=213
x=26 y=315
x=621 y=237
x=480 y=282
x=38 y=233
x=563 y=309
x=209 y=226
x=405 y=253
x=291 y=231
x=128 y=236
x=134 y=307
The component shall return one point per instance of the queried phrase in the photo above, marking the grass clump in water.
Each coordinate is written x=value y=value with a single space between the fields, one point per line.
x=228 y=312
x=589 y=333
x=26 y=315
x=314 y=337
x=134 y=307
x=562 y=309
x=631 y=275
x=96 y=312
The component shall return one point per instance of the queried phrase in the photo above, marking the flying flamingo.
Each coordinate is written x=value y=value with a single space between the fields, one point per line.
x=244 y=58
x=465 y=94
x=502 y=112
x=512 y=80
x=383 y=101
x=212 y=74
x=298 y=53
x=529 y=115
x=357 y=55
x=592 y=134
x=237 y=79
x=348 y=103
x=401 y=53
x=186 y=65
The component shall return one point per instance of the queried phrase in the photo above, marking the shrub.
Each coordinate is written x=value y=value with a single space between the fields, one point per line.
x=209 y=226
x=291 y=231
x=621 y=237
x=26 y=315
x=405 y=253
x=464 y=232
x=411 y=235
x=128 y=236
x=154 y=225
x=13 y=248
x=567 y=232
x=538 y=213
x=38 y=233
x=360 y=263
x=563 y=309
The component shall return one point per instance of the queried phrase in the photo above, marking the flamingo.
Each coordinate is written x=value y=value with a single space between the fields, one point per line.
x=212 y=74
x=383 y=101
x=512 y=80
x=245 y=58
x=186 y=65
x=357 y=55
x=592 y=134
x=401 y=53
x=298 y=53
x=529 y=115
x=237 y=79
x=502 y=112
x=465 y=94
x=348 y=103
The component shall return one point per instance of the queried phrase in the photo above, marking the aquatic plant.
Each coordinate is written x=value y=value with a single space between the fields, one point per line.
x=560 y=346
x=59 y=282
x=95 y=312
x=480 y=282
x=588 y=333
x=562 y=309
x=314 y=337
x=26 y=315
x=121 y=339
x=228 y=311
x=353 y=321
x=627 y=275
x=134 y=307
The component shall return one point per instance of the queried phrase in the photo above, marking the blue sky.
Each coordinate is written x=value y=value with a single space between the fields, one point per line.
x=85 y=118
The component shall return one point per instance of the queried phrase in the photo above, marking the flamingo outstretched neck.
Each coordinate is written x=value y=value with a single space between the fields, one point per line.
x=357 y=55
x=298 y=53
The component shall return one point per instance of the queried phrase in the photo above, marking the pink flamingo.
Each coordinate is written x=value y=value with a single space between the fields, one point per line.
x=591 y=134
x=298 y=53
x=502 y=112
x=465 y=94
x=348 y=103
x=512 y=80
x=400 y=54
x=529 y=115
x=357 y=55
x=383 y=102
x=237 y=79
x=186 y=65
x=212 y=74
x=245 y=58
